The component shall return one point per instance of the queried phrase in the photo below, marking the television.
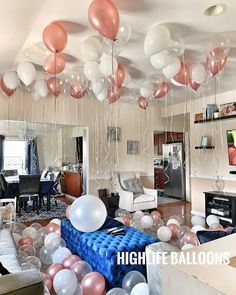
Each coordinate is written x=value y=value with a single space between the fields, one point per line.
x=231 y=141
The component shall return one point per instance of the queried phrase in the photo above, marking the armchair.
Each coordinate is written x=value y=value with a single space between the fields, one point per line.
x=129 y=200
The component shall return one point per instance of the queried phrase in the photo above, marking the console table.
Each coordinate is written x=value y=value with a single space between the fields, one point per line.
x=221 y=204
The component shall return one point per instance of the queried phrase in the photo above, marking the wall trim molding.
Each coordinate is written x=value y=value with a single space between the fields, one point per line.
x=211 y=178
x=198 y=213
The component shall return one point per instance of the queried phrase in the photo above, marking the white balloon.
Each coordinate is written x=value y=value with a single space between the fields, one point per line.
x=187 y=247
x=60 y=254
x=91 y=71
x=197 y=228
x=98 y=86
x=40 y=87
x=198 y=73
x=65 y=277
x=111 y=47
x=35 y=96
x=160 y=60
x=211 y=219
x=156 y=40
x=91 y=49
x=140 y=289
x=173 y=68
x=146 y=89
x=138 y=215
x=102 y=95
x=176 y=83
x=11 y=80
x=50 y=237
x=198 y=220
x=173 y=221
x=107 y=66
x=56 y=221
x=26 y=72
x=124 y=32
x=164 y=234
x=146 y=221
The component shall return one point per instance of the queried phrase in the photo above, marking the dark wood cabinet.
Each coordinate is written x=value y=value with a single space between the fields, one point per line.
x=73 y=183
x=159 y=178
x=166 y=137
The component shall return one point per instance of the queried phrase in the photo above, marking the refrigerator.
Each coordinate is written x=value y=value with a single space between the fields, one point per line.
x=174 y=170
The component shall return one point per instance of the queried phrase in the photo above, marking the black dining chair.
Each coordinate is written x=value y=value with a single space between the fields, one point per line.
x=29 y=186
x=3 y=185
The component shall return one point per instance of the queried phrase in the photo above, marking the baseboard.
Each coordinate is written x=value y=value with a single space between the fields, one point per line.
x=197 y=213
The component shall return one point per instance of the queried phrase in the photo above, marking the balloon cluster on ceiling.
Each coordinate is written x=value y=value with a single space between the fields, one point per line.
x=101 y=74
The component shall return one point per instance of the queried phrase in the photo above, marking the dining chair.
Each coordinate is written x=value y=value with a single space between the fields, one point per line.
x=29 y=186
x=4 y=201
x=3 y=185
x=12 y=172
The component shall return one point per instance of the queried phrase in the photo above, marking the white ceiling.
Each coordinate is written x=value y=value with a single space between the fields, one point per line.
x=22 y=23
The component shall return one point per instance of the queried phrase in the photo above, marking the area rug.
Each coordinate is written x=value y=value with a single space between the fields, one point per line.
x=165 y=200
x=55 y=212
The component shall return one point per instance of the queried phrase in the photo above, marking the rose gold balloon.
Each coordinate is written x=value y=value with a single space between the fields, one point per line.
x=161 y=90
x=183 y=76
x=26 y=241
x=93 y=283
x=70 y=260
x=55 y=37
x=142 y=102
x=53 y=85
x=54 y=269
x=119 y=76
x=47 y=281
x=194 y=85
x=217 y=54
x=190 y=238
x=113 y=94
x=156 y=215
x=174 y=230
x=53 y=227
x=76 y=93
x=9 y=92
x=215 y=67
x=68 y=212
x=126 y=220
x=104 y=18
x=54 y=63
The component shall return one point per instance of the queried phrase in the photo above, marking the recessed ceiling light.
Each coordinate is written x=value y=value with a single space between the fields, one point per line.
x=215 y=10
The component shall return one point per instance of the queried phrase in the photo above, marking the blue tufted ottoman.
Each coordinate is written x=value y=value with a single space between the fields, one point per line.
x=100 y=249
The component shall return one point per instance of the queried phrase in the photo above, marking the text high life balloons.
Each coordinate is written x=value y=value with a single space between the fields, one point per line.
x=55 y=37
x=88 y=213
x=104 y=18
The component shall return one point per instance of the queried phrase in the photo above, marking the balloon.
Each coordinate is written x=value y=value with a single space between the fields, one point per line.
x=182 y=231
x=42 y=232
x=92 y=71
x=26 y=266
x=193 y=85
x=140 y=289
x=91 y=49
x=56 y=221
x=11 y=80
x=53 y=85
x=36 y=225
x=218 y=48
x=176 y=45
x=34 y=261
x=50 y=237
x=124 y=32
x=77 y=78
x=187 y=247
x=54 y=63
x=216 y=226
x=98 y=86
x=127 y=80
x=113 y=94
x=211 y=219
x=68 y=211
x=45 y=255
x=55 y=243
x=16 y=238
x=215 y=67
x=164 y=234
x=156 y=40
x=30 y=232
x=136 y=224
x=65 y=277
x=93 y=283
x=183 y=76
x=76 y=93
x=161 y=89
x=112 y=47
x=157 y=223
x=81 y=268
x=40 y=87
x=189 y=238
x=117 y=291
x=173 y=67
x=126 y=220
x=174 y=230
x=142 y=102
x=22 y=255
x=54 y=269
x=47 y=281
x=7 y=91
x=104 y=18
x=67 y=289
x=173 y=221
x=108 y=65
x=60 y=254
x=28 y=249
x=198 y=73
x=146 y=89
x=53 y=227
x=26 y=241
x=26 y=72
x=197 y=228
x=198 y=220
x=160 y=60
x=70 y=260
x=131 y=279
x=176 y=217
x=55 y=37
x=138 y=215
x=146 y=221
x=119 y=76
x=88 y=213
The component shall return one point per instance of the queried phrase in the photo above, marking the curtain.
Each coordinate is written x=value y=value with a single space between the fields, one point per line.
x=31 y=158
x=2 y=138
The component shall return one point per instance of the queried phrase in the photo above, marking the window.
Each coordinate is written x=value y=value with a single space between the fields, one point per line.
x=14 y=155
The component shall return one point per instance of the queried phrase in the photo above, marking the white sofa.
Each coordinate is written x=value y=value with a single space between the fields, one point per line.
x=129 y=200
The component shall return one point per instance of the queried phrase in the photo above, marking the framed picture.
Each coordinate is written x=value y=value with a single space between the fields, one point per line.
x=132 y=147
x=227 y=109
x=205 y=141
x=113 y=133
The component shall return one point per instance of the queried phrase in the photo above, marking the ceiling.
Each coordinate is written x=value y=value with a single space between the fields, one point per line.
x=21 y=27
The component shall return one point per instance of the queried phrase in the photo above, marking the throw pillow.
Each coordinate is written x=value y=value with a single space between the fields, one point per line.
x=205 y=236
x=134 y=185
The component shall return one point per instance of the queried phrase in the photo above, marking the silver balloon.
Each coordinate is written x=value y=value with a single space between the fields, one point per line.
x=117 y=291
x=131 y=279
x=77 y=78
x=26 y=266
x=124 y=32
x=81 y=268
x=34 y=261
x=45 y=255
x=157 y=223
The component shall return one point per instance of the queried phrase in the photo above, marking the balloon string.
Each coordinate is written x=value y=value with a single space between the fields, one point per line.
x=55 y=77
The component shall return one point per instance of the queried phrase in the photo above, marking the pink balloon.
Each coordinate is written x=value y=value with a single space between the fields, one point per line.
x=215 y=67
x=156 y=215
x=217 y=54
x=53 y=227
x=9 y=92
x=190 y=238
x=142 y=102
x=55 y=37
x=126 y=220
x=104 y=18
x=194 y=85
x=93 y=283
x=76 y=93
x=68 y=212
x=161 y=90
x=113 y=94
x=119 y=76
x=54 y=63
x=70 y=260
x=53 y=85
x=54 y=269
x=26 y=241
x=174 y=230
x=47 y=281
x=183 y=76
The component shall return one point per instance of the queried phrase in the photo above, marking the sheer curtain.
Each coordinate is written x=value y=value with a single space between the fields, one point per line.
x=2 y=138
x=31 y=157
